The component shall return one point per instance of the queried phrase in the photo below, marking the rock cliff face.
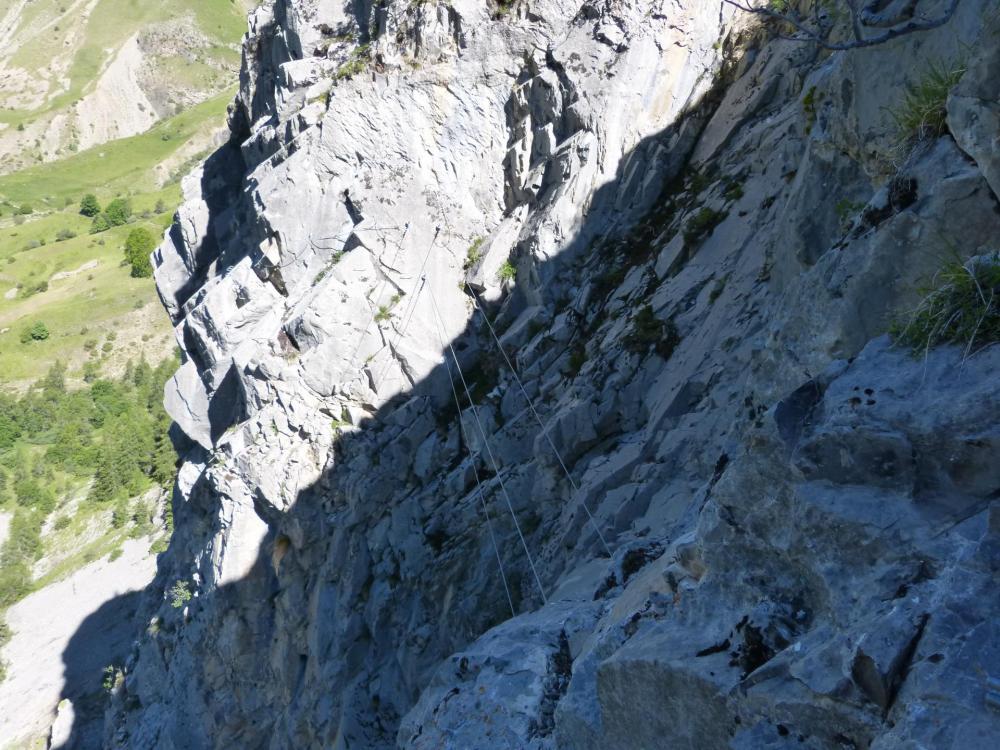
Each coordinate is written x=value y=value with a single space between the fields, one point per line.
x=723 y=511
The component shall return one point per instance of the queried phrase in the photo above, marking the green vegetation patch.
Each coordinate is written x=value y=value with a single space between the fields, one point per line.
x=923 y=111
x=702 y=224
x=356 y=64
x=474 y=253
x=507 y=272
x=76 y=454
x=649 y=332
x=79 y=289
x=961 y=307
x=121 y=166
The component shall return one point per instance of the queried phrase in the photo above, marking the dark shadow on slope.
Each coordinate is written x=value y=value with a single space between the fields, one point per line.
x=222 y=179
x=384 y=589
x=104 y=639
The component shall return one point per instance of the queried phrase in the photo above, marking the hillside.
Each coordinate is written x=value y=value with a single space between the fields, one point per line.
x=78 y=73
x=87 y=291
x=117 y=98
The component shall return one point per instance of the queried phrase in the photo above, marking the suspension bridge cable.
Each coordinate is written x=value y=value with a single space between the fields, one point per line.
x=475 y=472
x=489 y=452
x=545 y=432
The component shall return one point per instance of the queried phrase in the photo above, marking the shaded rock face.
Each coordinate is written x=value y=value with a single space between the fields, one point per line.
x=772 y=528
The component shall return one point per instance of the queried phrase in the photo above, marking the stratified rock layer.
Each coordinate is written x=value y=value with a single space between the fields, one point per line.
x=773 y=528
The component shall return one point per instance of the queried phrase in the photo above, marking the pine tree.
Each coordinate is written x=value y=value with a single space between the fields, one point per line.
x=89 y=205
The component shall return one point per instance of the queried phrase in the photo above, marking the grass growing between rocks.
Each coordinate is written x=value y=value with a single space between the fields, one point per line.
x=923 y=111
x=649 y=332
x=960 y=307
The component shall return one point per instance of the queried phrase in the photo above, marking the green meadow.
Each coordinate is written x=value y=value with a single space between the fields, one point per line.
x=98 y=294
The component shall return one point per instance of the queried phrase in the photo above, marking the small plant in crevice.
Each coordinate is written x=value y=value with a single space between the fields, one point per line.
x=356 y=63
x=960 y=306
x=483 y=377
x=698 y=182
x=577 y=359
x=343 y=421
x=535 y=327
x=506 y=272
x=504 y=7
x=845 y=209
x=732 y=189
x=609 y=280
x=809 y=102
x=649 y=332
x=385 y=311
x=474 y=253
x=702 y=224
x=718 y=289
x=112 y=678
x=179 y=594
x=922 y=113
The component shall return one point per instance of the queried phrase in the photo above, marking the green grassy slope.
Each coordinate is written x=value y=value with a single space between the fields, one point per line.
x=81 y=307
x=47 y=28
x=122 y=165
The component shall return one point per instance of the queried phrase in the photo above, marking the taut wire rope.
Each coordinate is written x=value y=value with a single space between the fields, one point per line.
x=489 y=453
x=545 y=432
x=475 y=472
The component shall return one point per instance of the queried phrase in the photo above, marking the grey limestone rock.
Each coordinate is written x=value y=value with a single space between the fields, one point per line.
x=774 y=528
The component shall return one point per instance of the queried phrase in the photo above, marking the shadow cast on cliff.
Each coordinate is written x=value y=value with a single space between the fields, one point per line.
x=102 y=640
x=377 y=587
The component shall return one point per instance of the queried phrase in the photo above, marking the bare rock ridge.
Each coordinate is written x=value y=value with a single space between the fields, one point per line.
x=690 y=237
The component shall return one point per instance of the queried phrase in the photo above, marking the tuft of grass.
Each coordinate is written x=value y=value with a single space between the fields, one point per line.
x=922 y=113
x=733 y=189
x=702 y=224
x=577 y=359
x=718 y=289
x=959 y=307
x=648 y=332
x=159 y=546
x=846 y=209
x=474 y=253
x=809 y=102
x=507 y=272
x=356 y=63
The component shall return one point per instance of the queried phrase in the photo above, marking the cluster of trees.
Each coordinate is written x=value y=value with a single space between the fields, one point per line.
x=138 y=246
x=53 y=438
x=116 y=213
x=37 y=331
x=140 y=241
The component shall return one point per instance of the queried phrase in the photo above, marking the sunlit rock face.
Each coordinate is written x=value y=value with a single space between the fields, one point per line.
x=723 y=511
